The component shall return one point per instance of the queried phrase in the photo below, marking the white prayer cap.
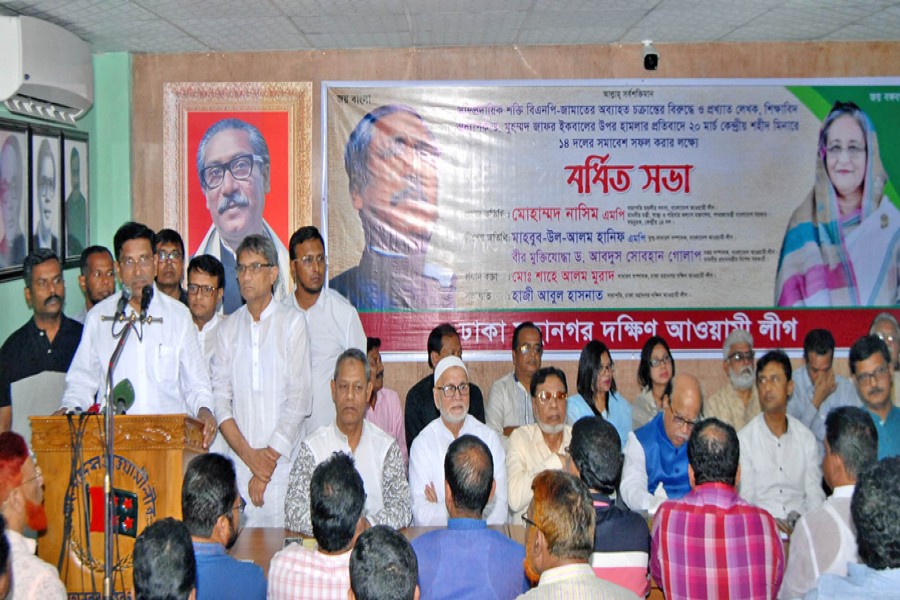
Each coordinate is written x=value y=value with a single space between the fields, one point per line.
x=446 y=363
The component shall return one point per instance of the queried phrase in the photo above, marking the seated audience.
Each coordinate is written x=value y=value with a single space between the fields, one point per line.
x=870 y=366
x=876 y=516
x=375 y=453
x=712 y=543
x=621 y=538
x=491 y=562
x=824 y=540
x=654 y=375
x=559 y=535
x=337 y=506
x=509 y=404
x=384 y=409
x=817 y=390
x=426 y=458
x=597 y=393
x=656 y=464
x=443 y=341
x=22 y=504
x=541 y=445
x=211 y=508
x=885 y=326
x=779 y=460
x=383 y=566
x=164 y=564
x=736 y=403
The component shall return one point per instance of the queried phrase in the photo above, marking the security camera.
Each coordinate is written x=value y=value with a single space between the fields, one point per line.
x=651 y=56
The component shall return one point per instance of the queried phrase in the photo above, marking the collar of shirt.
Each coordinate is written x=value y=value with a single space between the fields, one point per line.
x=17 y=540
x=843 y=491
x=566 y=572
x=466 y=524
x=209 y=549
x=343 y=438
x=267 y=311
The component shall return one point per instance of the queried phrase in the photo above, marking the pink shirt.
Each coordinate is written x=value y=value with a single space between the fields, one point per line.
x=388 y=416
x=297 y=573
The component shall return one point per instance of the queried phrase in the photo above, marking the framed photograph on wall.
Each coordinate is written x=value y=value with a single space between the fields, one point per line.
x=237 y=160
x=14 y=230
x=46 y=190
x=76 y=195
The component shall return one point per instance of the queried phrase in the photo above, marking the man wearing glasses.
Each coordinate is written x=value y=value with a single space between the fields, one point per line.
x=161 y=357
x=212 y=509
x=780 y=467
x=509 y=403
x=206 y=286
x=656 y=462
x=870 y=365
x=736 y=402
x=170 y=264
x=885 y=326
x=261 y=384
x=426 y=457
x=332 y=322
x=233 y=166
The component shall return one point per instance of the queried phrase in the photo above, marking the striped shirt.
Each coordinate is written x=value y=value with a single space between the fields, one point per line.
x=713 y=544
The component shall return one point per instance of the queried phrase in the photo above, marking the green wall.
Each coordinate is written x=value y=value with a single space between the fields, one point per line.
x=108 y=124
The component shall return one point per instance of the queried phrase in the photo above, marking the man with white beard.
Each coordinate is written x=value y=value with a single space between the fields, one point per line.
x=737 y=402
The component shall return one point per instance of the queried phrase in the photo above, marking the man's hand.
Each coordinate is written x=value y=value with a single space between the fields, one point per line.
x=507 y=431
x=209 y=426
x=59 y=413
x=257 y=489
x=430 y=494
x=260 y=463
x=825 y=386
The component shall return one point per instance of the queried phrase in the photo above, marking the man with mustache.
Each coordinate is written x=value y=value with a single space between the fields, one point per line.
x=391 y=162
x=885 y=326
x=47 y=226
x=870 y=365
x=737 y=402
x=22 y=504
x=48 y=341
x=385 y=409
x=98 y=277
x=780 y=467
x=233 y=166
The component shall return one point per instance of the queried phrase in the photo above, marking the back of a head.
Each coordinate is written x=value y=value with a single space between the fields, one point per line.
x=164 y=563
x=337 y=500
x=876 y=514
x=564 y=512
x=714 y=452
x=13 y=453
x=209 y=491
x=383 y=566
x=851 y=434
x=596 y=450
x=469 y=471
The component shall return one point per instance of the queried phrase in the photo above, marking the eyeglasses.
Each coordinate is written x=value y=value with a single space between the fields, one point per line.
x=887 y=339
x=254 y=268
x=142 y=261
x=205 y=291
x=175 y=256
x=309 y=260
x=450 y=390
x=242 y=504
x=869 y=378
x=609 y=368
x=240 y=167
x=658 y=362
x=681 y=421
x=528 y=522
x=852 y=151
x=742 y=356
x=37 y=475
x=546 y=396
x=526 y=349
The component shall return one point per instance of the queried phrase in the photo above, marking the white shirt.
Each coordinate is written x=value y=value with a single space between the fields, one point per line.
x=32 y=578
x=780 y=474
x=261 y=379
x=824 y=541
x=528 y=455
x=633 y=487
x=509 y=405
x=333 y=326
x=206 y=338
x=164 y=365
x=426 y=465
x=800 y=405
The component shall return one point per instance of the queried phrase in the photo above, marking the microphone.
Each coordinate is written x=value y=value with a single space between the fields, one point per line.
x=123 y=302
x=123 y=396
x=146 y=296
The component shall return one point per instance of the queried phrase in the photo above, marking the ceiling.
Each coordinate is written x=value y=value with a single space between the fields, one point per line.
x=162 y=26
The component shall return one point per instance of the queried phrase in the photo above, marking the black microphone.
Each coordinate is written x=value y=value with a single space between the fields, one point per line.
x=146 y=296
x=123 y=302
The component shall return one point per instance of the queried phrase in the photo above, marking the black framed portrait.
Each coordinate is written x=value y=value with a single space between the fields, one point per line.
x=14 y=224
x=76 y=195
x=46 y=190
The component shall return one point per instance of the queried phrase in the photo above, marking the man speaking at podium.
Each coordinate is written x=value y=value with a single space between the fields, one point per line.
x=161 y=357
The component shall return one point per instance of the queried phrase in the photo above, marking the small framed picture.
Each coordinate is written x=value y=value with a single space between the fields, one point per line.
x=14 y=229
x=76 y=196
x=46 y=190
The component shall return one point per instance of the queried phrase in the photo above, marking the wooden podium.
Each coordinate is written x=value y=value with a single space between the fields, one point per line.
x=151 y=455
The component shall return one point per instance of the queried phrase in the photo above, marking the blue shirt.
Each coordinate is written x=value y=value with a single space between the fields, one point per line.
x=220 y=577
x=861 y=582
x=618 y=412
x=468 y=560
x=888 y=433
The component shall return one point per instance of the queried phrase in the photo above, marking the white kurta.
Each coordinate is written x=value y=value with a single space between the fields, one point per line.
x=426 y=465
x=261 y=379
x=333 y=326
x=165 y=364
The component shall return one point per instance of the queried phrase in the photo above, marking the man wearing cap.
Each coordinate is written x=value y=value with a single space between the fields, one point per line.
x=426 y=457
